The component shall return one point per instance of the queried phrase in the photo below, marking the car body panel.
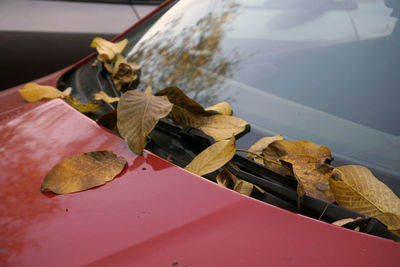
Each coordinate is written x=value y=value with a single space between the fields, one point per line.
x=153 y=214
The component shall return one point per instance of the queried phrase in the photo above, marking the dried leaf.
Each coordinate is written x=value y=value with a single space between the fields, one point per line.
x=137 y=115
x=109 y=120
x=108 y=50
x=312 y=175
x=281 y=148
x=222 y=108
x=220 y=127
x=356 y=188
x=82 y=107
x=348 y=220
x=177 y=97
x=241 y=186
x=124 y=72
x=33 y=92
x=104 y=97
x=83 y=171
x=213 y=157
x=223 y=178
x=259 y=146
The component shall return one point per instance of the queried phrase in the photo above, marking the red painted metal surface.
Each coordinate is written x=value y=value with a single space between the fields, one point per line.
x=154 y=214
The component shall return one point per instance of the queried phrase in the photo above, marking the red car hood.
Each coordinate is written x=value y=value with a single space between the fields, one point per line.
x=154 y=214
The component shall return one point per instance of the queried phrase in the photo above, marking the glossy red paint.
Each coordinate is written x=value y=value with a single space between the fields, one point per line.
x=154 y=214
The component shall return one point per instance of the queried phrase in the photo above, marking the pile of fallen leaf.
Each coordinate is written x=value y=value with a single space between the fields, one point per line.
x=352 y=186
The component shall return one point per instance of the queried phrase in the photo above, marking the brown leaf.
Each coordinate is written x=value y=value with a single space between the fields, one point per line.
x=312 y=175
x=33 y=92
x=109 y=120
x=137 y=115
x=223 y=178
x=177 y=97
x=280 y=148
x=222 y=108
x=104 y=97
x=82 y=107
x=356 y=188
x=83 y=171
x=108 y=50
x=213 y=157
x=220 y=127
x=259 y=146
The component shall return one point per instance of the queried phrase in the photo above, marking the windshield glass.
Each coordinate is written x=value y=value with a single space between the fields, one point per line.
x=318 y=70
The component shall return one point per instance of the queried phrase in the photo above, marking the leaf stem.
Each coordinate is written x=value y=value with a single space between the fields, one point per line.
x=323 y=212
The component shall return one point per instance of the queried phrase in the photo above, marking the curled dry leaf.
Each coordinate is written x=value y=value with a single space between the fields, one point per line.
x=83 y=171
x=259 y=146
x=82 y=107
x=280 y=148
x=124 y=72
x=108 y=50
x=224 y=177
x=222 y=108
x=104 y=97
x=356 y=188
x=213 y=157
x=241 y=186
x=312 y=175
x=33 y=92
x=137 y=115
x=348 y=220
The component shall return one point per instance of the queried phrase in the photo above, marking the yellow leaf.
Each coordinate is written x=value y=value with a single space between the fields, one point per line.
x=259 y=146
x=33 y=92
x=106 y=98
x=137 y=115
x=108 y=50
x=312 y=176
x=356 y=188
x=222 y=108
x=213 y=157
x=82 y=107
x=219 y=127
x=83 y=171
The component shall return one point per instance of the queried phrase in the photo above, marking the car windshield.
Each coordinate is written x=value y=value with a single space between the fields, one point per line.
x=318 y=70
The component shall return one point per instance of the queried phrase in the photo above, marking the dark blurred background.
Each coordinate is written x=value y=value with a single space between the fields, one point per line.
x=41 y=37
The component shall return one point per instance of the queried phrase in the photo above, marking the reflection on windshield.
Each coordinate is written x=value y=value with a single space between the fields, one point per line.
x=190 y=57
x=324 y=71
